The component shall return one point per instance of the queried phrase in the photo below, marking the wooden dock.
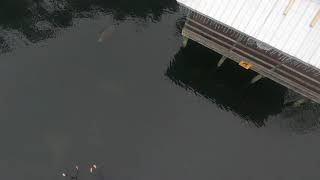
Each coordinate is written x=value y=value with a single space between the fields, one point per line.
x=253 y=54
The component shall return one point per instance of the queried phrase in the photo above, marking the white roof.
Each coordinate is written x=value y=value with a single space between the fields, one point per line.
x=265 y=21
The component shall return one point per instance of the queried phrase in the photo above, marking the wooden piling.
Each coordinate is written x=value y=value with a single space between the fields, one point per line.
x=185 y=41
x=221 y=61
x=256 y=79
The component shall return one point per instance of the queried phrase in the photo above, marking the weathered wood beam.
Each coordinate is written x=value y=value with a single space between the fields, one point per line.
x=289 y=6
x=315 y=19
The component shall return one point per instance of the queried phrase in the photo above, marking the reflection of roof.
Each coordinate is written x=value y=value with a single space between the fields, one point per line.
x=292 y=26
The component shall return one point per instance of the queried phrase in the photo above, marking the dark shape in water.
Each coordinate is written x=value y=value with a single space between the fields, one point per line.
x=107 y=33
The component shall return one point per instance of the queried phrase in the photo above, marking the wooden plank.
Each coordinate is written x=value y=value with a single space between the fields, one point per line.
x=256 y=67
x=315 y=19
x=289 y=6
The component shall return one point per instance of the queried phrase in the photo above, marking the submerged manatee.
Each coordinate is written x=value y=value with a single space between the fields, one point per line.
x=107 y=33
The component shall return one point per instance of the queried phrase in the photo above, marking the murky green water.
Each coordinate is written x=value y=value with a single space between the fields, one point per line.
x=137 y=103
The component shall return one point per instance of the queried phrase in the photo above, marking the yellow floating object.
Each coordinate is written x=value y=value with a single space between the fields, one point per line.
x=245 y=64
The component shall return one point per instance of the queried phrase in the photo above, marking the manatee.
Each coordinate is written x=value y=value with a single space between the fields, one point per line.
x=106 y=34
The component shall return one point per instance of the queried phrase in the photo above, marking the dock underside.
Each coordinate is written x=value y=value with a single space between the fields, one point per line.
x=265 y=60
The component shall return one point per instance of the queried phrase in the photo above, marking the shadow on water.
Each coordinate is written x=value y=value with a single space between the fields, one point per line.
x=24 y=22
x=301 y=120
x=194 y=68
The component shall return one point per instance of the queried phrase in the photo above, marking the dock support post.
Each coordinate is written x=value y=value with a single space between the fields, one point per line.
x=299 y=102
x=185 y=41
x=221 y=61
x=256 y=78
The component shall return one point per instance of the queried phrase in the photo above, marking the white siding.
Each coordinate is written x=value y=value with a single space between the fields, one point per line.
x=264 y=20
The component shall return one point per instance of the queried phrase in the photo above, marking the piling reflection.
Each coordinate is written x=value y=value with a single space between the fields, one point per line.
x=301 y=120
x=36 y=20
x=194 y=68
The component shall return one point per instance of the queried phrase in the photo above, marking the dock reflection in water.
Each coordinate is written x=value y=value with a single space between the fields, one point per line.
x=194 y=68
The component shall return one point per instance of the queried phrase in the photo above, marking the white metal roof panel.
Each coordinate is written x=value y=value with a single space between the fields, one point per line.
x=265 y=21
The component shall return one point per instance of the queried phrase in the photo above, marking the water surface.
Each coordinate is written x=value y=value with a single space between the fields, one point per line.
x=137 y=104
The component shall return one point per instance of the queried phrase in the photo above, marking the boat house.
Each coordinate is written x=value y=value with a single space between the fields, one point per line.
x=279 y=39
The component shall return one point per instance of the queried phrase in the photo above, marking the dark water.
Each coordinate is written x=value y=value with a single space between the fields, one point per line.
x=137 y=104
